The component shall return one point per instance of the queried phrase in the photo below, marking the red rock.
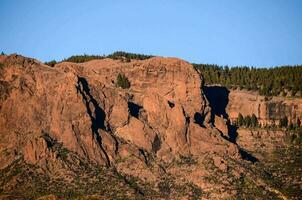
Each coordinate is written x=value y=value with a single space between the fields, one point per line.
x=78 y=106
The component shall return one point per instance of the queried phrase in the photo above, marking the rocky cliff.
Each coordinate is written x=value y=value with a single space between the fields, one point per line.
x=70 y=132
x=268 y=110
x=48 y=114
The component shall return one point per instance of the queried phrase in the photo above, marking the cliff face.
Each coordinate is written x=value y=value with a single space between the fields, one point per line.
x=267 y=110
x=68 y=130
x=77 y=107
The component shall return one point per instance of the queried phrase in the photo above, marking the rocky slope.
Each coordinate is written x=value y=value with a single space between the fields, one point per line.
x=68 y=123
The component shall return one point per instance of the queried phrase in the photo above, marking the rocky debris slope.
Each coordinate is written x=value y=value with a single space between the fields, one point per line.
x=279 y=154
x=57 y=117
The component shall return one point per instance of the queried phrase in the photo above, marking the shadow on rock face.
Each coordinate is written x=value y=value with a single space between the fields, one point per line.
x=218 y=97
x=199 y=119
x=134 y=109
x=247 y=156
x=232 y=132
x=99 y=115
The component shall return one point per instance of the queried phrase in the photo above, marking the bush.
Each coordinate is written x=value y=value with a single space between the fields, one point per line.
x=122 y=81
x=51 y=63
x=247 y=121
x=283 y=122
x=240 y=120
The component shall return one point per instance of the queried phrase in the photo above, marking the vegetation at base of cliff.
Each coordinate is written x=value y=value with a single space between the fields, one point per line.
x=247 y=121
x=284 y=80
x=84 y=181
x=252 y=122
x=282 y=170
x=26 y=182
x=122 y=81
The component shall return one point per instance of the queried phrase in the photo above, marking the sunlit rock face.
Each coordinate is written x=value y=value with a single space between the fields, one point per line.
x=164 y=113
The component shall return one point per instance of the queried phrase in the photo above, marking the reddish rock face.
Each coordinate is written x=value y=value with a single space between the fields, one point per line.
x=267 y=110
x=164 y=113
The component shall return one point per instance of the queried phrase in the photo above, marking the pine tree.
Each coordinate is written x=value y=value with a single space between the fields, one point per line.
x=240 y=120
x=247 y=121
x=254 y=121
x=283 y=122
x=51 y=63
x=122 y=81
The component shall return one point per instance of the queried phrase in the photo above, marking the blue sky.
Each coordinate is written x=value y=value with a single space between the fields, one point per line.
x=225 y=32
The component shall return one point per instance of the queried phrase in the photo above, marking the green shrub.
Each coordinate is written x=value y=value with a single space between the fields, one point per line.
x=283 y=122
x=51 y=63
x=122 y=81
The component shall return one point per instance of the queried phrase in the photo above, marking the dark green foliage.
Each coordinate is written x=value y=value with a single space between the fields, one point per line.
x=254 y=121
x=51 y=63
x=119 y=55
x=281 y=169
x=247 y=121
x=83 y=58
x=122 y=81
x=267 y=81
x=2 y=53
x=240 y=120
x=128 y=56
x=283 y=122
x=187 y=160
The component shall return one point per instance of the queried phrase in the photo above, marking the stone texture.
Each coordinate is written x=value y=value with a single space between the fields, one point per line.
x=267 y=110
x=79 y=107
x=221 y=124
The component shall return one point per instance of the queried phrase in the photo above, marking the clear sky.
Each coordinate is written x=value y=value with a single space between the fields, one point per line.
x=233 y=32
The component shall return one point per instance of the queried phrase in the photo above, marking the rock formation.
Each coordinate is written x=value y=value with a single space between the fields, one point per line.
x=72 y=115
x=164 y=114
x=268 y=110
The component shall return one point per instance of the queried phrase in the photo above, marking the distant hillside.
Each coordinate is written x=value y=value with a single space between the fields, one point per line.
x=284 y=80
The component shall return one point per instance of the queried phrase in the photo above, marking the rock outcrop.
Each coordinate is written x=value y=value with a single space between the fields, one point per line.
x=268 y=110
x=70 y=131
x=163 y=115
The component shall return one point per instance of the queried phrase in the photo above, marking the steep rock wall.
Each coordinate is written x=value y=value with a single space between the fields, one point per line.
x=77 y=107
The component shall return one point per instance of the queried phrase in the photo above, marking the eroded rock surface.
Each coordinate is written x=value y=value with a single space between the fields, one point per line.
x=164 y=116
x=268 y=110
